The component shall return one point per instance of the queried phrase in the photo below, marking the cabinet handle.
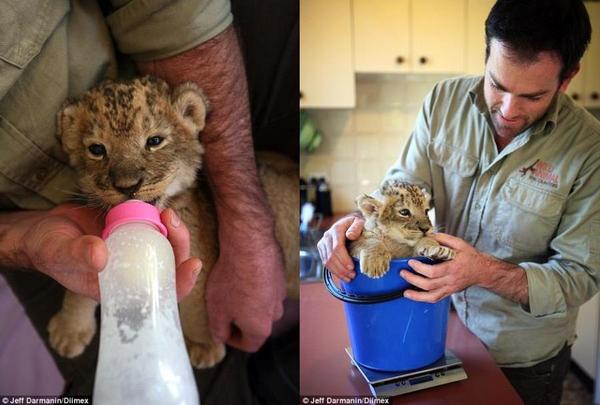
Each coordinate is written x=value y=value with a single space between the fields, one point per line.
x=422 y=60
x=399 y=60
x=575 y=96
x=595 y=96
x=301 y=95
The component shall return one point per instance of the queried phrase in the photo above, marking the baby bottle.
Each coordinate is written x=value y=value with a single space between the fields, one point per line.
x=142 y=357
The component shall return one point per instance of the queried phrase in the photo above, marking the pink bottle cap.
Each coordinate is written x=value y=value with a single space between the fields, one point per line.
x=132 y=211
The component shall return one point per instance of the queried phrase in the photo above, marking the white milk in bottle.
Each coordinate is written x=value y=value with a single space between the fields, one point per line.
x=142 y=358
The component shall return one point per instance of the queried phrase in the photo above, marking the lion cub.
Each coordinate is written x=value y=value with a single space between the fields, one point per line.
x=139 y=139
x=395 y=226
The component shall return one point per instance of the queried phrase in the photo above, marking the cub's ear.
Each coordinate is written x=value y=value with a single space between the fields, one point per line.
x=368 y=205
x=192 y=105
x=68 y=121
x=427 y=196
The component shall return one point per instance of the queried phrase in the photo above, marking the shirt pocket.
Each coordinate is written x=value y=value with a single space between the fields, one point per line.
x=25 y=25
x=452 y=159
x=527 y=217
x=452 y=181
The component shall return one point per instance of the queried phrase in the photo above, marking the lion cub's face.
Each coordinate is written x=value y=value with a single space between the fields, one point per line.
x=135 y=139
x=401 y=214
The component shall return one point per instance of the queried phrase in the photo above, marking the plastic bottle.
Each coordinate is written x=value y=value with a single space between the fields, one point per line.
x=324 y=198
x=142 y=357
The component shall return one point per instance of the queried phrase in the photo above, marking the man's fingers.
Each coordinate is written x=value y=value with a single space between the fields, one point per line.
x=179 y=236
x=338 y=249
x=425 y=296
x=83 y=253
x=355 y=228
x=428 y=270
x=219 y=325
x=338 y=269
x=187 y=274
x=250 y=335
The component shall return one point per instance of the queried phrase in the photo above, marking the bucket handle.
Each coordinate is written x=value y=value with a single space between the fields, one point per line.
x=358 y=299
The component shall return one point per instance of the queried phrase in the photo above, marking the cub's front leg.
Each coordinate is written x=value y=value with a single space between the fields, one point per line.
x=374 y=261
x=429 y=247
x=74 y=326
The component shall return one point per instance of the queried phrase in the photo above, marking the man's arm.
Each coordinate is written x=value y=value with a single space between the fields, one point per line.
x=250 y=264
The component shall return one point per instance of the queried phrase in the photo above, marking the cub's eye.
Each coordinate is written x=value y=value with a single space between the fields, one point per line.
x=97 y=150
x=154 y=141
x=405 y=213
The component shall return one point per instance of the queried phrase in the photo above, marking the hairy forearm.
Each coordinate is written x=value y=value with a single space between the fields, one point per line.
x=13 y=226
x=505 y=279
x=217 y=67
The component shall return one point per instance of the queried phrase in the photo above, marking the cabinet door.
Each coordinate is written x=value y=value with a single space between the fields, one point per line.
x=477 y=12
x=381 y=36
x=438 y=36
x=326 y=69
x=591 y=75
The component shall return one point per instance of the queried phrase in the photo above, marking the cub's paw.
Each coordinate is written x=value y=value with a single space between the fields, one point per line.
x=70 y=336
x=374 y=267
x=205 y=355
x=437 y=252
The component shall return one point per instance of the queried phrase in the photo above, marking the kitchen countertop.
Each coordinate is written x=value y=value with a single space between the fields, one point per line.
x=325 y=368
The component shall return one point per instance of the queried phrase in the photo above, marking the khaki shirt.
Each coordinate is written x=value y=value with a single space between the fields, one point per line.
x=54 y=49
x=536 y=204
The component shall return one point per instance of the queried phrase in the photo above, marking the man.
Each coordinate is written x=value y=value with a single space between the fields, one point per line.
x=514 y=168
x=59 y=49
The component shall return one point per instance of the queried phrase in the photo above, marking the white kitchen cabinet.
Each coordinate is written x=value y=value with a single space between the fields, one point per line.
x=438 y=36
x=585 y=87
x=416 y=36
x=477 y=12
x=382 y=36
x=326 y=66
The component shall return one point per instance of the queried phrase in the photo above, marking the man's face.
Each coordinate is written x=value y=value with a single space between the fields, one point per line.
x=518 y=93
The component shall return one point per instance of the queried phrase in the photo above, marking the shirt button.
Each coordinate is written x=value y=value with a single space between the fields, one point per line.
x=477 y=206
x=40 y=174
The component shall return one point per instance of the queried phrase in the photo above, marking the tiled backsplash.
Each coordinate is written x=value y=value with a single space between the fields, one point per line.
x=359 y=145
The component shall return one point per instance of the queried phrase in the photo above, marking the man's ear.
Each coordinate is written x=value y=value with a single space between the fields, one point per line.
x=368 y=205
x=67 y=124
x=192 y=105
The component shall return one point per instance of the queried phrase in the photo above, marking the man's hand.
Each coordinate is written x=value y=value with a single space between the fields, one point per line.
x=332 y=246
x=245 y=289
x=64 y=244
x=469 y=267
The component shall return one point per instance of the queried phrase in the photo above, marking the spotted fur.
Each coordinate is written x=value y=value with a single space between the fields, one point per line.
x=123 y=118
x=397 y=225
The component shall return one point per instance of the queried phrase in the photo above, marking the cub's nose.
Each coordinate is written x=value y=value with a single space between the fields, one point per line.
x=424 y=230
x=127 y=186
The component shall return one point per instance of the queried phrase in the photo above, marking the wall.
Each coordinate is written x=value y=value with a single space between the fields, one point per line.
x=359 y=145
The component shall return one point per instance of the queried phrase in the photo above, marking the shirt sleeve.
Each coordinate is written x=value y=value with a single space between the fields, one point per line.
x=571 y=276
x=157 y=29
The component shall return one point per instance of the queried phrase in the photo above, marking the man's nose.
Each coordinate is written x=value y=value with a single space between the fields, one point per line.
x=509 y=108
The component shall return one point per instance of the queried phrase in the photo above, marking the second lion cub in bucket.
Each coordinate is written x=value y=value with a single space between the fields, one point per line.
x=396 y=226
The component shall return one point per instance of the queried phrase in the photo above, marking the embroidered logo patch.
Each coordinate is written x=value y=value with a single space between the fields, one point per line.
x=541 y=172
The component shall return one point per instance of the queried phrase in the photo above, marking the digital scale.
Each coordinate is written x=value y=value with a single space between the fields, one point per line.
x=389 y=384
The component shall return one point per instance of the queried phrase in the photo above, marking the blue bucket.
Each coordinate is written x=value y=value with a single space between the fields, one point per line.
x=387 y=331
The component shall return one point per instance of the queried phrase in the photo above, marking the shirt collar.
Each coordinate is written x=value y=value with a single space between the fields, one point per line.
x=545 y=125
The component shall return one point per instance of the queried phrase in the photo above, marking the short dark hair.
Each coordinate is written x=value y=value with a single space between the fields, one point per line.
x=529 y=27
